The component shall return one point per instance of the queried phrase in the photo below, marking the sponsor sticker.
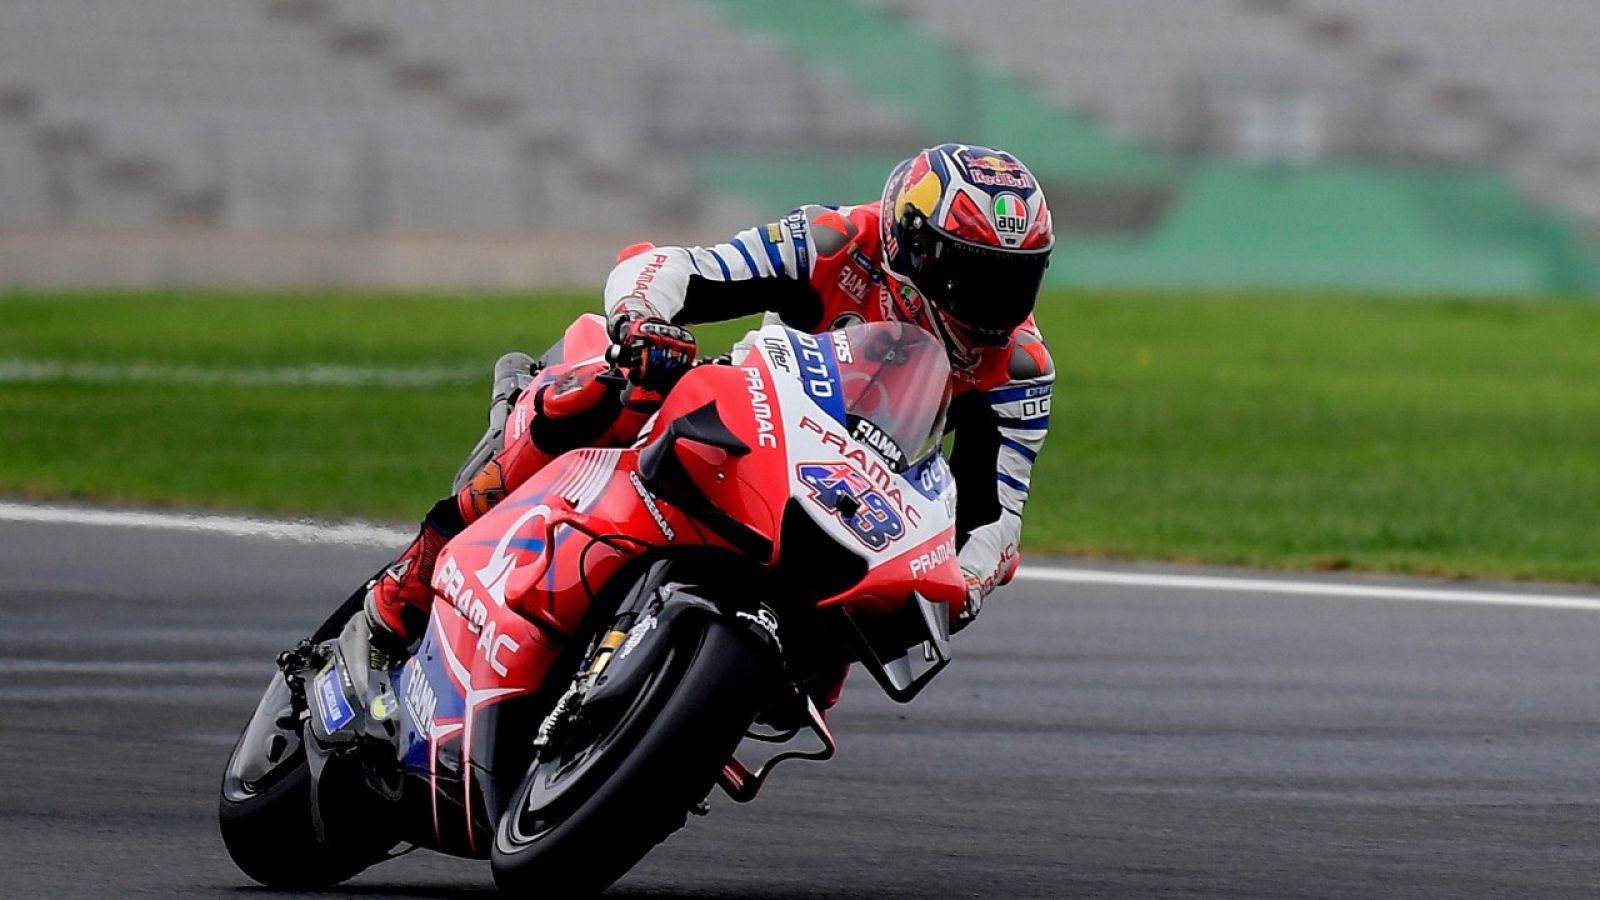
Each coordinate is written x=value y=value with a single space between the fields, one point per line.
x=931 y=476
x=449 y=580
x=331 y=703
x=649 y=501
x=761 y=406
x=853 y=283
x=865 y=263
x=646 y=276
x=819 y=373
x=994 y=171
x=911 y=299
x=841 y=347
x=1010 y=218
x=928 y=561
x=382 y=706
x=879 y=440
x=778 y=352
x=519 y=423
x=766 y=620
x=421 y=700
x=635 y=635
x=802 y=251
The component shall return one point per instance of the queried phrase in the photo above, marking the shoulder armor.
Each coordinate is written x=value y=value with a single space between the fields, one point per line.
x=829 y=229
x=1030 y=359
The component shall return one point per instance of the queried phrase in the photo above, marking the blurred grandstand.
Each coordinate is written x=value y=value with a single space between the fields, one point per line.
x=1448 y=146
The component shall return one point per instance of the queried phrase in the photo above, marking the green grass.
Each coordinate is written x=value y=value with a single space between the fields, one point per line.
x=1458 y=438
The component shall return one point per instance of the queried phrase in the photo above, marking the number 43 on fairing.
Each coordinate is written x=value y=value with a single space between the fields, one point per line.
x=875 y=523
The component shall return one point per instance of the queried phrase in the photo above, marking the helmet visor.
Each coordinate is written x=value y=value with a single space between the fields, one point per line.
x=988 y=290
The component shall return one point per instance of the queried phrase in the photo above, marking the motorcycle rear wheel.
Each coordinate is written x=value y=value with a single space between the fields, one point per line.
x=636 y=781
x=267 y=828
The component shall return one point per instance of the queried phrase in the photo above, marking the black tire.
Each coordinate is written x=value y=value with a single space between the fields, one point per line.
x=269 y=836
x=267 y=828
x=657 y=761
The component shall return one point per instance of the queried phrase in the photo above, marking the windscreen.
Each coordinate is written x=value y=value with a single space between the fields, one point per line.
x=895 y=382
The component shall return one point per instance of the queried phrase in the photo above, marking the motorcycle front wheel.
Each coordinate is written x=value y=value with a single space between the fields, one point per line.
x=587 y=813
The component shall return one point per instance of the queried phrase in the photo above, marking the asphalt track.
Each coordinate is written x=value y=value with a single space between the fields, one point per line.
x=1090 y=740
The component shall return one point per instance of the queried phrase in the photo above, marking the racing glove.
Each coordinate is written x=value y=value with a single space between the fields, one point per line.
x=655 y=352
x=988 y=560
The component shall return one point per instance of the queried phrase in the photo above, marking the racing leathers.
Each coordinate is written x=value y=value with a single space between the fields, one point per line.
x=817 y=269
x=820 y=268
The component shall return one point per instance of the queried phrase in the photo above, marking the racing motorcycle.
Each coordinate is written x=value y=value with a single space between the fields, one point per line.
x=785 y=513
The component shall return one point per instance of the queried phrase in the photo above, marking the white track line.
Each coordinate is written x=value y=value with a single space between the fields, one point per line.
x=154 y=694
x=1274 y=585
x=368 y=534
x=357 y=534
x=35 y=371
x=177 y=668
x=12 y=638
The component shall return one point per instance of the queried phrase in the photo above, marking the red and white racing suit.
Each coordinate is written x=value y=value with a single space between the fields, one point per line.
x=820 y=268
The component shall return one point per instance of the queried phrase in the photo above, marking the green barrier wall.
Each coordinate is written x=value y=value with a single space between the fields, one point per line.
x=1406 y=231
x=1403 y=230
x=888 y=58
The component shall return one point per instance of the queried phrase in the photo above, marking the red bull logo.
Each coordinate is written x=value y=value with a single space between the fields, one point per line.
x=996 y=171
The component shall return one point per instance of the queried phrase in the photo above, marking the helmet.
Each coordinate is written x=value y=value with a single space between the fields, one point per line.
x=966 y=228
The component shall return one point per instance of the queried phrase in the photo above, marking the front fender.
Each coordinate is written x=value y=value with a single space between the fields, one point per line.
x=666 y=613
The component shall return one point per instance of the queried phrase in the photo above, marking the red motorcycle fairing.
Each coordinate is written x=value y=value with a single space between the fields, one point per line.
x=768 y=410
x=514 y=587
x=750 y=489
x=510 y=590
x=585 y=339
x=930 y=568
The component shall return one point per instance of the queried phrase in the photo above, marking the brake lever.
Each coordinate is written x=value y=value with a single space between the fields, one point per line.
x=613 y=373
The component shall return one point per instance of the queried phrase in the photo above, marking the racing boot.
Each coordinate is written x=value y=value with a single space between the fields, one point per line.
x=399 y=597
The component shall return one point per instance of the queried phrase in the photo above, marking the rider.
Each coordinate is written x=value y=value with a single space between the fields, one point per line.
x=957 y=245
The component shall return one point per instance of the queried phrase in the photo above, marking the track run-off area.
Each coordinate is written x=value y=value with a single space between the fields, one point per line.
x=1103 y=731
